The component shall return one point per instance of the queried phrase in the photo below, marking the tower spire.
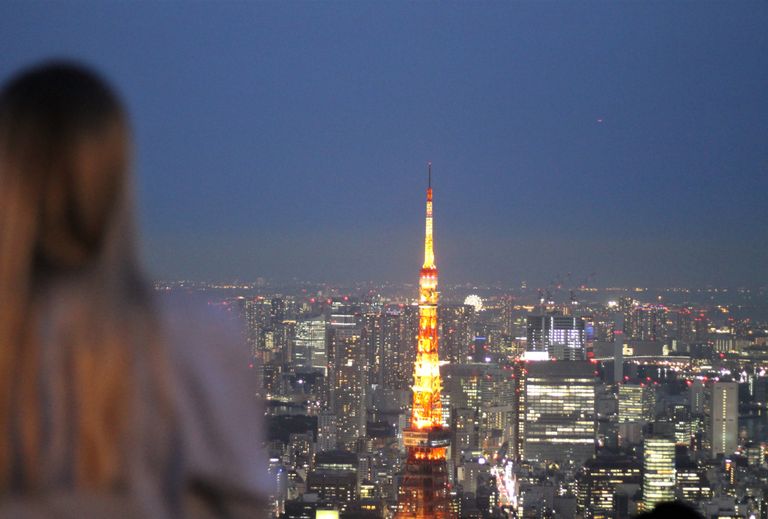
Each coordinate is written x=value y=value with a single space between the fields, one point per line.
x=429 y=253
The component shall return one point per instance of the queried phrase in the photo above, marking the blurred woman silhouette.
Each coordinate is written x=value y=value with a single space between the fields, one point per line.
x=112 y=403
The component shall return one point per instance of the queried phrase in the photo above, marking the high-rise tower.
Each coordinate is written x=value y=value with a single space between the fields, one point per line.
x=424 y=487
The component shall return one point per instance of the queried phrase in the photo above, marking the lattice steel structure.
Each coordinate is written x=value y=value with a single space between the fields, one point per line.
x=424 y=489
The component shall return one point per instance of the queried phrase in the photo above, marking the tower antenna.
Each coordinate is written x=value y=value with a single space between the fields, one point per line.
x=429 y=166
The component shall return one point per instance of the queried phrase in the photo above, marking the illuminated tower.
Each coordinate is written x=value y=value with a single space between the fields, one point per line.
x=424 y=487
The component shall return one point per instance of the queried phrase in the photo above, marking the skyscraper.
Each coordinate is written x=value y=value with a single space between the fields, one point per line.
x=424 y=488
x=326 y=431
x=257 y=319
x=483 y=401
x=373 y=341
x=636 y=403
x=399 y=329
x=724 y=424
x=658 y=471
x=555 y=336
x=559 y=420
x=456 y=332
x=310 y=348
x=598 y=480
x=647 y=323
x=349 y=377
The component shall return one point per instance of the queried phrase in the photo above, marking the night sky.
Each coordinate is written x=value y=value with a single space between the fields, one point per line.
x=629 y=140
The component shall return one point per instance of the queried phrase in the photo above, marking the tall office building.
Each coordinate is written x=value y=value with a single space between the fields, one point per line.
x=682 y=423
x=598 y=480
x=691 y=482
x=327 y=436
x=699 y=397
x=348 y=377
x=636 y=403
x=483 y=401
x=647 y=323
x=555 y=336
x=373 y=341
x=456 y=332
x=724 y=421
x=658 y=471
x=508 y=315
x=257 y=319
x=399 y=330
x=701 y=327
x=684 y=328
x=558 y=419
x=309 y=349
x=424 y=489
x=334 y=478
x=277 y=309
x=618 y=340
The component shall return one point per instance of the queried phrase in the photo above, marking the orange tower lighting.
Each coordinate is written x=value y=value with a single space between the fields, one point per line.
x=424 y=491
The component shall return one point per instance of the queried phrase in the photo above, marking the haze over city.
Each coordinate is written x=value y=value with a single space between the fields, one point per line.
x=625 y=140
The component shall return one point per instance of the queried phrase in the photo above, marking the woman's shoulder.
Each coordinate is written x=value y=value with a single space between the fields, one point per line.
x=189 y=321
x=221 y=416
x=207 y=353
x=206 y=348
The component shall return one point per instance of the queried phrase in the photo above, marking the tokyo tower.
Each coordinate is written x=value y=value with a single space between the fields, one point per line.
x=424 y=488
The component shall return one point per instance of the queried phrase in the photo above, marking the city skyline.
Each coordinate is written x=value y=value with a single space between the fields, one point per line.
x=288 y=141
x=554 y=409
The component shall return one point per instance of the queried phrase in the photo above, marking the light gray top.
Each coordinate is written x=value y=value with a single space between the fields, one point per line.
x=218 y=467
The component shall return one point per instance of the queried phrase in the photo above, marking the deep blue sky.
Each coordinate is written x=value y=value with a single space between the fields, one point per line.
x=285 y=140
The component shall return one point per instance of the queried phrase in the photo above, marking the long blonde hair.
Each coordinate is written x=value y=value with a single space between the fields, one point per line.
x=77 y=332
